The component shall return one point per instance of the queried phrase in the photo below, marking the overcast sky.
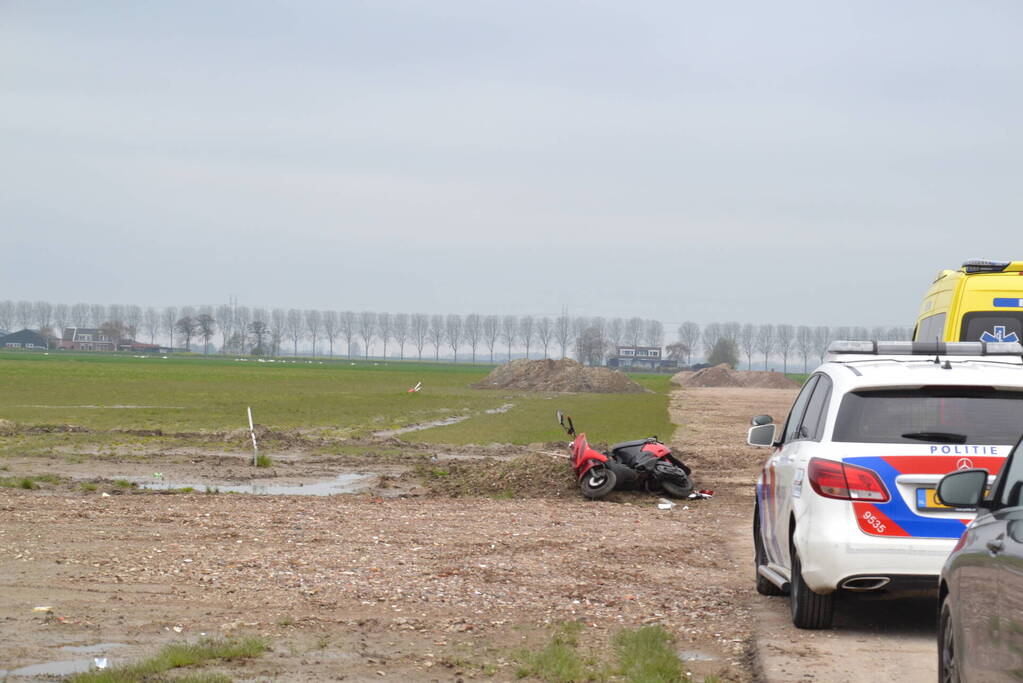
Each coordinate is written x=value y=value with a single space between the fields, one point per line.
x=799 y=162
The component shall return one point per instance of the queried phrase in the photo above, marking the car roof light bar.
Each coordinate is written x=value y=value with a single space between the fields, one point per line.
x=906 y=348
x=979 y=265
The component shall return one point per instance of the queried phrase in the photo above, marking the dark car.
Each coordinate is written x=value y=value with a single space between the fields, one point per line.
x=980 y=623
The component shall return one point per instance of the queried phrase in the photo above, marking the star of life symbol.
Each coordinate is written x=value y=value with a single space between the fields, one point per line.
x=964 y=464
x=999 y=335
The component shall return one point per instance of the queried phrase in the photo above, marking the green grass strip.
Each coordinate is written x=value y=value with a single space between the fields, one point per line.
x=647 y=655
x=177 y=655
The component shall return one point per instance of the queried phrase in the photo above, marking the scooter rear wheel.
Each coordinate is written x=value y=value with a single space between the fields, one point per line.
x=598 y=482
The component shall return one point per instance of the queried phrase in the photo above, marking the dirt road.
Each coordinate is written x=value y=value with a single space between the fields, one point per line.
x=872 y=639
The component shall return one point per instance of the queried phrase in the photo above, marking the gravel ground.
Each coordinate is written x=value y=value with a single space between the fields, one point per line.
x=368 y=588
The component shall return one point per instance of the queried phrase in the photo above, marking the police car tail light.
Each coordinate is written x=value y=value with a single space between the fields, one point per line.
x=842 y=481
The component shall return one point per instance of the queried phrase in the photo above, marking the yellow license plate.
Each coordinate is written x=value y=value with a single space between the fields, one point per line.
x=927 y=499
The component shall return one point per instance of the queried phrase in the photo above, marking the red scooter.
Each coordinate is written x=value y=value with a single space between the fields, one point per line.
x=641 y=464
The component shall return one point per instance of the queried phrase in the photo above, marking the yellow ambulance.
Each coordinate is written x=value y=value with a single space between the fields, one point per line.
x=982 y=301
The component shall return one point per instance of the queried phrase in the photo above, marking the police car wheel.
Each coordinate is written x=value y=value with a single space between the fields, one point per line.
x=810 y=610
x=764 y=587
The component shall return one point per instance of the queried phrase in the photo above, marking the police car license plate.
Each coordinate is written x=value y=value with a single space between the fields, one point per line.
x=927 y=499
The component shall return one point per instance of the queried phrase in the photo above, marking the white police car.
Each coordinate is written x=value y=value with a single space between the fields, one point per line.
x=846 y=501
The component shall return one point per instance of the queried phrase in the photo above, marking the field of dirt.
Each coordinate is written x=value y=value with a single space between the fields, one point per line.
x=415 y=586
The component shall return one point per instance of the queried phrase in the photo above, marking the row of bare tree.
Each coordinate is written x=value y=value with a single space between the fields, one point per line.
x=262 y=331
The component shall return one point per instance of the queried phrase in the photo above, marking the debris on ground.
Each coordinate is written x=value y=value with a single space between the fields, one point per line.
x=558 y=375
x=8 y=428
x=724 y=376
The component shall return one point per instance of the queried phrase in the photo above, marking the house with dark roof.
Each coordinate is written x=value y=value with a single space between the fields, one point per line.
x=24 y=339
x=86 y=339
x=640 y=358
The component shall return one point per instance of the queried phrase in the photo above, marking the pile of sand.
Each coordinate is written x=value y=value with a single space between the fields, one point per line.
x=724 y=376
x=558 y=375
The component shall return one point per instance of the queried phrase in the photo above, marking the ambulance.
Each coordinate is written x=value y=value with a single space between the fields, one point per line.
x=982 y=301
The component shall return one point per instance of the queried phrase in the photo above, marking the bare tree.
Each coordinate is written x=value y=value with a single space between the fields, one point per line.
x=97 y=314
x=748 y=343
x=330 y=328
x=384 y=329
x=509 y=331
x=634 y=327
x=80 y=315
x=168 y=321
x=259 y=330
x=225 y=319
x=712 y=332
x=313 y=325
x=186 y=326
x=616 y=332
x=420 y=331
x=563 y=332
x=804 y=343
x=278 y=321
x=115 y=313
x=205 y=327
x=653 y=333
x=367 y=325
x=132 y=320
x=435 y=333
x=400 y=332
x=590 y=344
x=821 y=339
x=151 y=323
x=765 y=341
x=293 y=327
x=453 y=333
x=689 y=334
x=43 y=313
x=473 y=329
x=61 y=314
x=23 y=313
x=544 y=333
x=6 y=315
x=491 y=333
x=347 y=322
x=730 y=331
x=784 y=336
x=527 y=331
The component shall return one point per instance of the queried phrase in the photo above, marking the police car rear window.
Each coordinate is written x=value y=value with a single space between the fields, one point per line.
x=941 y=415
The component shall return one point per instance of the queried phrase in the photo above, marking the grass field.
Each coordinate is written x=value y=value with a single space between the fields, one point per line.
x=342 y=398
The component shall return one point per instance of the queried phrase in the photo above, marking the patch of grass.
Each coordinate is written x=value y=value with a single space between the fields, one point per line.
x=123 y=484
x=559 y=661
x=648 y=655
x=28 y=483
x=177 y=655
x=89 y=486
x=186 y=489
x=264 y=460
x=286 y=621
x=212 y=490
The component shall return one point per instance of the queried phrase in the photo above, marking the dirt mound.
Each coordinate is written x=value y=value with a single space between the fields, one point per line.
x=527 y=476
x=242 y=435
x=558 y=375
x=724 y=376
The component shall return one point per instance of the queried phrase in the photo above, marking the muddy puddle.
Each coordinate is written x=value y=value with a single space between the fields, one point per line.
x=342 y=483
x=67 y=667
x=443 y=422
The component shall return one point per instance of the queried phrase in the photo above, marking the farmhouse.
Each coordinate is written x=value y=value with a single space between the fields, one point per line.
x=86 y=339
x=24 y=339
x=640 y=358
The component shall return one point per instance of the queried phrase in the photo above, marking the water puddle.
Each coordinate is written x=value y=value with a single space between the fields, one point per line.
x=443 y=422
x=65 y=668
x=343 y=483
x=386 y=433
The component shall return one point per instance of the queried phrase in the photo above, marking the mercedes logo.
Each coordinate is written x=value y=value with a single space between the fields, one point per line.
x=964 y=464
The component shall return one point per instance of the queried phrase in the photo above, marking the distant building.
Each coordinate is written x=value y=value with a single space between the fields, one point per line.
x=640 y=358
x=86 y=339
x=24 y=339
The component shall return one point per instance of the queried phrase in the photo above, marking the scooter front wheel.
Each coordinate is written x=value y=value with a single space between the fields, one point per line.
x=598 y=482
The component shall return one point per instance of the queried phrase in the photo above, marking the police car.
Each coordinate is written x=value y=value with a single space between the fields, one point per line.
x=846 y=502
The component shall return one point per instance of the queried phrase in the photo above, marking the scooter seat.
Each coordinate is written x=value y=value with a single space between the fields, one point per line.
x=628 y=444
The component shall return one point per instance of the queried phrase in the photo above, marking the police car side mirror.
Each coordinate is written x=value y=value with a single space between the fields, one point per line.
x=963 y=489
x=761 y=435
